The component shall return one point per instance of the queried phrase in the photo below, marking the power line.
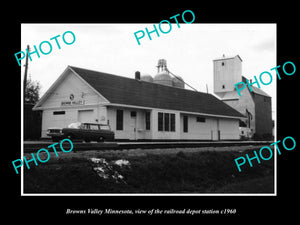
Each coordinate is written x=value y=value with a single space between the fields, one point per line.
x=181 y=79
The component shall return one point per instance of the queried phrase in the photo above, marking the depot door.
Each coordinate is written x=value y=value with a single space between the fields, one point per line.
x=215 y=130
x=86 y=116
x=132 y=125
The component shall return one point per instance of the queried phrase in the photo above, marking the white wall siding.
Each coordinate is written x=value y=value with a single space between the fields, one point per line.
x=134 y=128
x=101 y=114
x=208 y=130
x=60 y=121
x=71 y=84
x=229 y=129
x=199 y=130
x=95 y=114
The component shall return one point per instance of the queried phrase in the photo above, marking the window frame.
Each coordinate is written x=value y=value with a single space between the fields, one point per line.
x=59 y=113
x=185 y=124
x=200 y=119
x=166 y=122
x=172 y=122
x=160 y=121
x=92 y=126
x=132 y=114
x=148 y=120
x=119 y=119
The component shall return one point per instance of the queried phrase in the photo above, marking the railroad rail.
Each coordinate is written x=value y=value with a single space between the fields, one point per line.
x=81 y=146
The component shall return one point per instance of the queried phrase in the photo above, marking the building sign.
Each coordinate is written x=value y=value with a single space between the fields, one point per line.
x=73 y=101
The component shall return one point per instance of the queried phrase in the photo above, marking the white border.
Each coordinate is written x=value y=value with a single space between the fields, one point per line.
x=151 y=194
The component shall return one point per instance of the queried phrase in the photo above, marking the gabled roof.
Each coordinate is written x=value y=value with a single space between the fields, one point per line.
x=127 y=91
x=228 y=57
x=255 y=90
x=259 y=91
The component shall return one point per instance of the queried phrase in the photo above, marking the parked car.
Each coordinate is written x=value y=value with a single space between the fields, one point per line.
x=83 y=131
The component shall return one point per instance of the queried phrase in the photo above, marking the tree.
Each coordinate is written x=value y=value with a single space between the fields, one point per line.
x=32 y=90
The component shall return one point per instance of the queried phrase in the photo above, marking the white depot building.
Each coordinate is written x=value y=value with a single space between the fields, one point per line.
x=138 y=108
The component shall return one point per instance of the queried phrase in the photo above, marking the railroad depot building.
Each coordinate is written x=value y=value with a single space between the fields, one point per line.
x=138 y=108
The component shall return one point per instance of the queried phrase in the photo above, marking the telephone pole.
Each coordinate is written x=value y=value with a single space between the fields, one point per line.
x=25 y=74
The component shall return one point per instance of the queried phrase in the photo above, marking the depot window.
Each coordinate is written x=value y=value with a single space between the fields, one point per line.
x=133 y=113
x=119 y=120
x=185 y=124
x=166 y=122
x=147 y=120
x=59 y=113
x=200 y=119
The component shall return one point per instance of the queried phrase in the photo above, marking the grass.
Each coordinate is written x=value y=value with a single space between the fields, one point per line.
x=193 y=172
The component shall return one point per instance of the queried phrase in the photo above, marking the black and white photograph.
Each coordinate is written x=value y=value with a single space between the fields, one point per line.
x=162 y=117
x=151 y=113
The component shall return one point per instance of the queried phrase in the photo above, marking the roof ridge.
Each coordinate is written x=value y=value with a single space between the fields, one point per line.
x=97 y=71
x=136 y=80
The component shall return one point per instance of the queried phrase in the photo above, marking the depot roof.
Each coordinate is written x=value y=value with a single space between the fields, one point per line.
x=127 y=91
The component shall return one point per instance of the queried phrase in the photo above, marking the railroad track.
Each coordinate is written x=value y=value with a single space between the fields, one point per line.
x=80 y=146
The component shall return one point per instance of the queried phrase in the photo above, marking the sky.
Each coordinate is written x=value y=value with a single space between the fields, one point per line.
x=189 y=50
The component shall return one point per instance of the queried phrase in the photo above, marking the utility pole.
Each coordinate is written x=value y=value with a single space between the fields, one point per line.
x=25 y=74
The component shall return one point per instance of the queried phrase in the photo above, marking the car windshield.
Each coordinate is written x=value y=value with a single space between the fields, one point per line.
x=105 y=127
x=76 y=125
